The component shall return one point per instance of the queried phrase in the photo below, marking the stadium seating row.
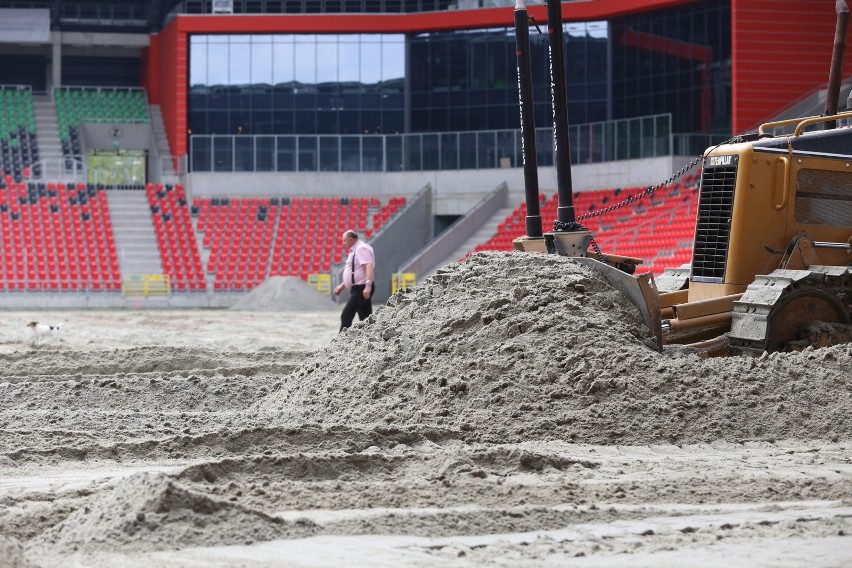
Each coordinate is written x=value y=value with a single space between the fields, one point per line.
x=76 y=105
x=179 y=253
x=59 y=237
x=18 y=145
x=56 y=237
x=251 y=239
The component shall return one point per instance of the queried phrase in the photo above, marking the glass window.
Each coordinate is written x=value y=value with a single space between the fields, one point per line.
x=307 y=146
x=264 y=154
x=393 y=57
x=413 y=148
x=306 y=62
x=282 y=121
x=544 y=146
x=393 y=153
x=283 y=65
x=449 y=151
x=327 y=122
x=305 y=122
x=223 y=154
x=486 y=143
x=371 y=122
x=431 y=152
x=200 y=153
x=349 y=60
x=244 y=154
x=393 y=122
x=239 y=63
x=371 y=60
x=285 y=153
x=356 y=84
x=350 y=153
x=373 y=154
x=467 y=151
x=261 y=62
x=327 y=63
x=217 y=70
x=198 y=60
x=350 y=122
x=329 y=154
x=217 y=122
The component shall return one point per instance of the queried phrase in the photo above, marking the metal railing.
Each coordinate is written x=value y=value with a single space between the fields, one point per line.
x=644 y=137
x=65 y=169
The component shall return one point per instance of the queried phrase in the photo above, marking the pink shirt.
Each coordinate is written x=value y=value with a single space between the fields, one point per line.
x=363 y=255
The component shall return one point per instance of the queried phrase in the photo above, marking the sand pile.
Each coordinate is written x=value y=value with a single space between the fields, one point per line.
x=284 y=294
x=509 y=347
x=11 y=553
x=248 y=434
x=147 y=510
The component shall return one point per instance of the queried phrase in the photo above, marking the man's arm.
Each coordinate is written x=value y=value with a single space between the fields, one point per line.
x=371 y=275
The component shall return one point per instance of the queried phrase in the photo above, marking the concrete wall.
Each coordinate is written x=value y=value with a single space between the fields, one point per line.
x=456 y=235
x=454 y=192
x=107 y=135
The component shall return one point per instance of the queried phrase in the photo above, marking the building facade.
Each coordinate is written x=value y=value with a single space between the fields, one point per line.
x=430 y=68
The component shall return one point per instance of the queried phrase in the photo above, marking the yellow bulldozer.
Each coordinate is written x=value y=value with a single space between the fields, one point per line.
x=771 y=267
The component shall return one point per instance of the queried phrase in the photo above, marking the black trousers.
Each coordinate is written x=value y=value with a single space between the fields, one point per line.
x=356 y=304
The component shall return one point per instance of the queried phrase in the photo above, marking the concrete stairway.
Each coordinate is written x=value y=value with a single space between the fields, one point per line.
x=158 y=128
x=135 y=240
x=483 y=234
x=47 y=133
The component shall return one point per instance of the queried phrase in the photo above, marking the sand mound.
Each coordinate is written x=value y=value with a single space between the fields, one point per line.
x=509 y=347
x=284 y=294
x=150 y=510
x=12 y=553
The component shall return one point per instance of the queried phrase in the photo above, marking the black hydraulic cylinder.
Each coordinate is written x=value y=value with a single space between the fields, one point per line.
x=525 y=97
x=565 y=214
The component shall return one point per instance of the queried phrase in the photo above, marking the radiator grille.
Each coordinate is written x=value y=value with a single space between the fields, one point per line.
x=713 y=226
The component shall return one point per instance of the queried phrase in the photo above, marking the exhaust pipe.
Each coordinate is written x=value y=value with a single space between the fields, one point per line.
x=833 y=93
x=525 y=97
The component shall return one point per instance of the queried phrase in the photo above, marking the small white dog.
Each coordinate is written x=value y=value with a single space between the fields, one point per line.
x=40 y=330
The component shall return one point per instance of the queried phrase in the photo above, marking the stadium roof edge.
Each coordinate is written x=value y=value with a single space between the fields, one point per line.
x=410 y=22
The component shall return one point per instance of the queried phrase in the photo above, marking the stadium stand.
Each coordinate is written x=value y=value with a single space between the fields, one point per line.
x=175 y=235
x=239 y=234
x=658 y=228
x=251 y=238
x=76 y=105
x=56 y=237
x=18 y=146
x=309 y=238
x=384 y=213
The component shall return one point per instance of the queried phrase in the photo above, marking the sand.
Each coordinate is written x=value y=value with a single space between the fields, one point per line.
x=284 y=294
x=508 y=411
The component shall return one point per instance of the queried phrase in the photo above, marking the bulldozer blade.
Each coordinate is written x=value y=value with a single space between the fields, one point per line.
x=640 y=290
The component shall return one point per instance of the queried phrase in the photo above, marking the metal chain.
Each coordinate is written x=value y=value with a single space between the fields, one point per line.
x=577 y=226
x=652 y=188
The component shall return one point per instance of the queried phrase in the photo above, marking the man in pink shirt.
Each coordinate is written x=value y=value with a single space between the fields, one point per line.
x=358 y=277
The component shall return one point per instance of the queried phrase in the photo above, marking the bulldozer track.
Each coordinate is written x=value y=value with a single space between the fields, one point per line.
x=770 y=314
